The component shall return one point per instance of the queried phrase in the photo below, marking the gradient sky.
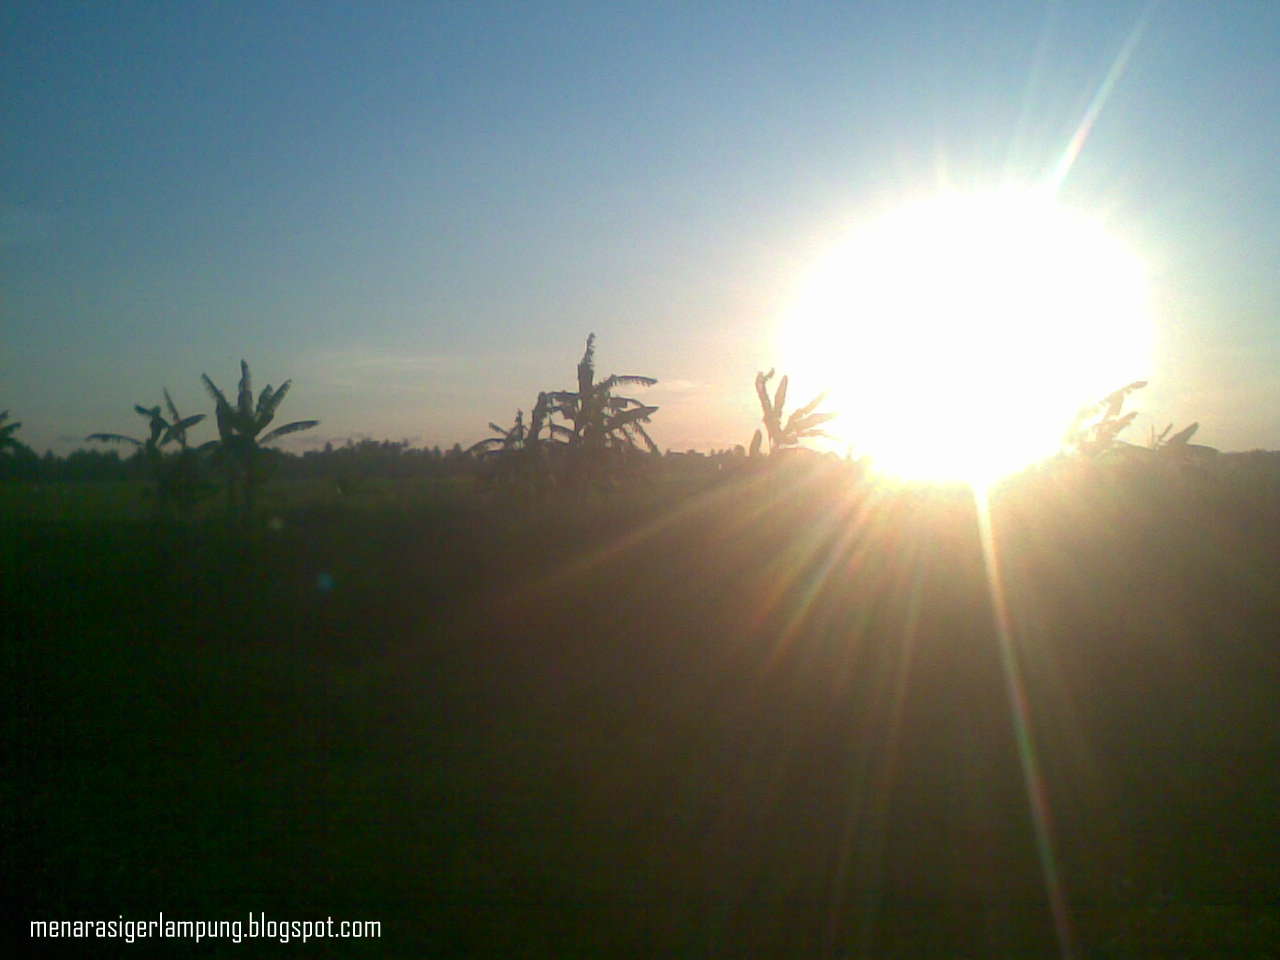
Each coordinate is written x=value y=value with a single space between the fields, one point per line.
x=418 y=211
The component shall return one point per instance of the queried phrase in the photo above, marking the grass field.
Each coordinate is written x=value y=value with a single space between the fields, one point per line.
x=763 y=716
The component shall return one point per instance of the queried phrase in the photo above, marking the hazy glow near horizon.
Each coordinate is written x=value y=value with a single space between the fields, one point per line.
x=958 y=336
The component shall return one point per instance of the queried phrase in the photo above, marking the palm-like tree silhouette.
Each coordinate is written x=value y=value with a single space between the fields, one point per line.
x=506 y=440
x=1097 y=428
x=600 y=418
x=603 y=425
x=520 y=453
x=507 y=452
x=162 y=431
x=1095 y=435
x=557 y=433
x=240 y=443
x=7 y=431
x=803 y=423
x=175 y=478
x=1178 y=448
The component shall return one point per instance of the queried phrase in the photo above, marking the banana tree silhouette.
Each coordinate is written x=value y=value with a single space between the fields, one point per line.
x=519 y=452
x=600 y=419
x=1096 y=429
x=174 y=478
x=503 y=454
x=17 y=460
x=7 y=430
x=240 y=447
x=557 y=434
x=1178 y=448
x=803 y=423
x=1095 y=435
x=507 y=440
x=604 y=425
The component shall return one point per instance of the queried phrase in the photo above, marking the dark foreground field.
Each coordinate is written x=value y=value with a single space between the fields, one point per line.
x=766 y=717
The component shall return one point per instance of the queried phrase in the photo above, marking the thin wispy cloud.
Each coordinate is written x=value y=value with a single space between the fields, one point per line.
x=678 y=387
x=382 y=371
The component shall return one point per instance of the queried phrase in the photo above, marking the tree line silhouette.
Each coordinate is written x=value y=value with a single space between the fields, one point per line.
x=590 y=438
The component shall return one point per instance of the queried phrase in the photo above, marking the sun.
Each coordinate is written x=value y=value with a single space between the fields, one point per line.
x=958 y=336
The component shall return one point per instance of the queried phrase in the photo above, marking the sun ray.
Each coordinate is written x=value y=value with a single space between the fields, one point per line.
x=1020 y=715
x=1118 y=66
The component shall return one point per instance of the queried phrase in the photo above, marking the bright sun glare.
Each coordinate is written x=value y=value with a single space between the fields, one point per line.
x=958 y=336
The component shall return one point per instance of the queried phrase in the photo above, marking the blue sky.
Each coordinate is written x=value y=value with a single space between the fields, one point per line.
x=418 y=211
